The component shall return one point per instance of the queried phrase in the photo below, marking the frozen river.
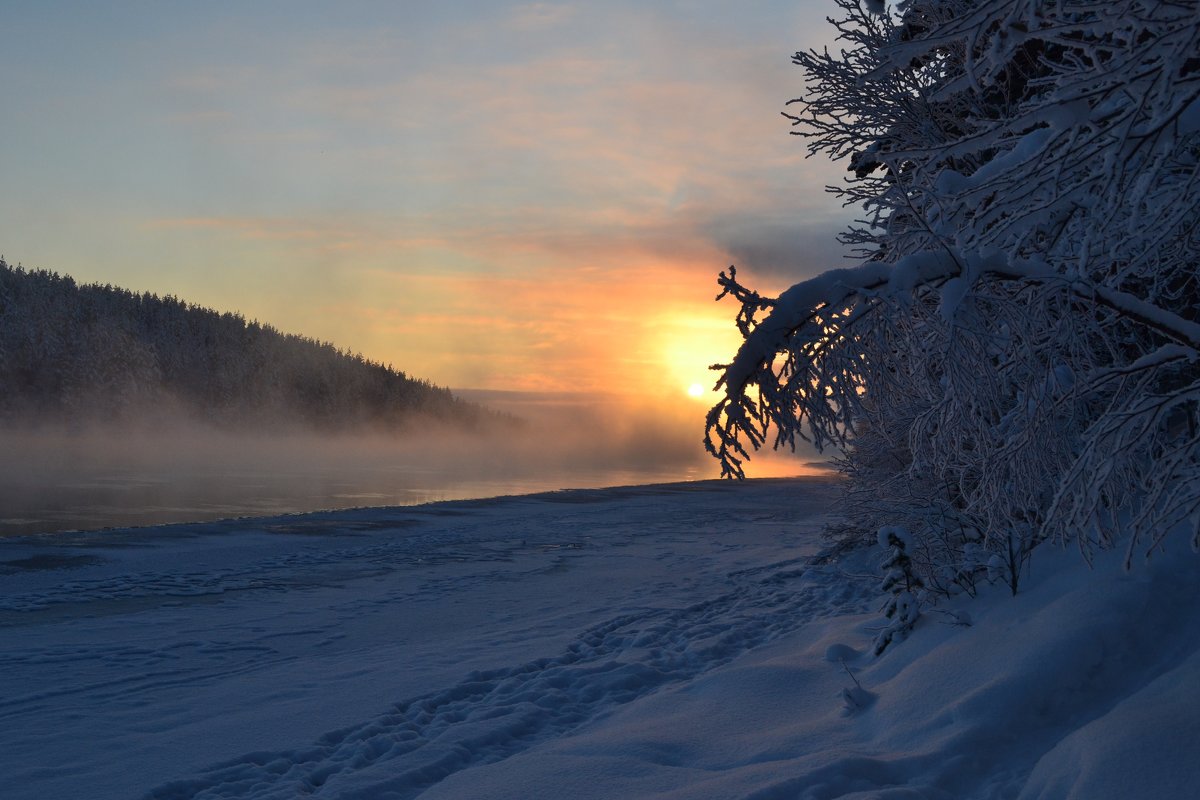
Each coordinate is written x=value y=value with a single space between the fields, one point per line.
x=376 y=653
x=677 y=642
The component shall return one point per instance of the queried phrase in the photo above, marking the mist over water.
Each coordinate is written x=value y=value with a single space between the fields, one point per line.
x=178 y=470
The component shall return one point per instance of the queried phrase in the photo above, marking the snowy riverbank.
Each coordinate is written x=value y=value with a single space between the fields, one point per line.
x=673 y=641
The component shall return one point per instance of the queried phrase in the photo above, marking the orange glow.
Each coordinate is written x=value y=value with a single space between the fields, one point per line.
x=624 y=309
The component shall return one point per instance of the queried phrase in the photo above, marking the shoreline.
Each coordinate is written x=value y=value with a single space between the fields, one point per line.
x=335 y=516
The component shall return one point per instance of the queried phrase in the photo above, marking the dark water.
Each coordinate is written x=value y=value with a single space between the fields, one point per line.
x=128 y=497
x=87 y=480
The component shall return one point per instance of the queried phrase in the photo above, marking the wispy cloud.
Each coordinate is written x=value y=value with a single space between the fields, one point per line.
x=509 y=196
x=539 y=16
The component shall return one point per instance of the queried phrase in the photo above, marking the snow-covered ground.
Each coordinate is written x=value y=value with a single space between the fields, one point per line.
x=683 y=641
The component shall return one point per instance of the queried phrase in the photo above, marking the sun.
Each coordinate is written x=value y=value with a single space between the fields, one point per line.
x=696 y=390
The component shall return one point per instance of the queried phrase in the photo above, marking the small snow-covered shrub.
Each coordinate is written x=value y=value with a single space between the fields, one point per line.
x=902 y=609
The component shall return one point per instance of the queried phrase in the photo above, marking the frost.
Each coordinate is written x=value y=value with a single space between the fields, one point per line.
x=1189 y=118
x=1061 y=380
x=894 y=536
x=1017 y=358
x=995 y=568
x=953 y=292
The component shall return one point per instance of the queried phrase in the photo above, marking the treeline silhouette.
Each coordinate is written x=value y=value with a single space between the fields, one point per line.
x=90 y=353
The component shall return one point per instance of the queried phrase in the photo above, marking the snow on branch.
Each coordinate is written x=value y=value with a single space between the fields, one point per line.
x=1016 y=358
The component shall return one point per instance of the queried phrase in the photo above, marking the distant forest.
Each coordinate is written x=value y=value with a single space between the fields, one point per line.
x=84 y=353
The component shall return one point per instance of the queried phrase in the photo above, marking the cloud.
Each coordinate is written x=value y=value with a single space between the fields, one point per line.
x=782 y=252
x=539 y=16
x=528 y=196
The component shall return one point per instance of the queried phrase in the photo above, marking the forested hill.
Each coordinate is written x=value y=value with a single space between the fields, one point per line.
x=90 y=353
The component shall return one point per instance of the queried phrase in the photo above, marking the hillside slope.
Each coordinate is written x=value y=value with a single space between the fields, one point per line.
x=85 y=352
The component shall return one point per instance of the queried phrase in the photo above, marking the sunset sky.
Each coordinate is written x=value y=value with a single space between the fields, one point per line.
x=489 y=195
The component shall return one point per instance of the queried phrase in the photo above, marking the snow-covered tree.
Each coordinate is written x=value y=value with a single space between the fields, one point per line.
x=83 y=353
x=900 y=582
x=1017 y=355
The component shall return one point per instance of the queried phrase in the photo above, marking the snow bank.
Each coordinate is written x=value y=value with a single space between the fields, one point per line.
x=676 y=642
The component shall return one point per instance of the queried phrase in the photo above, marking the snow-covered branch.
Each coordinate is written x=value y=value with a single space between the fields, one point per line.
x=1017 y=356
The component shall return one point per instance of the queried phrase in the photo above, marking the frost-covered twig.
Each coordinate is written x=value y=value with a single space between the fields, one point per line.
x=1017 y=357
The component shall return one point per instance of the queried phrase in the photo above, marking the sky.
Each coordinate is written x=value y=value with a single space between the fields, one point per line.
x=529 y=197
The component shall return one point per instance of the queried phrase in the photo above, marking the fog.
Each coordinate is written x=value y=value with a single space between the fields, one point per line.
x=163 y=466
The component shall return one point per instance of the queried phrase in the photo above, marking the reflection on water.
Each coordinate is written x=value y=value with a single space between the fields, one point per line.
x=85 y=480
x=130 y=498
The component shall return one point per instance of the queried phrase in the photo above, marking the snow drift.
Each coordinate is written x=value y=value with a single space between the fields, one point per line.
x=682 y=641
